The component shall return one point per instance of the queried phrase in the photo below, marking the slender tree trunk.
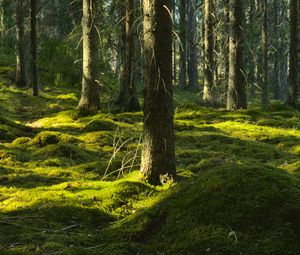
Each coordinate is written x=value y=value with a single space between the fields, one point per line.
x=174 y=44
x=208 y=51
x=192 y=35
x=129 y=99
x=158 y=155
x=33 y=48
x=276 y=87
x=293 y=61
x=90 y=95
x=226 y=48
x=265 y=49
x=236 y=98
x=183 y=49
x=20 y=46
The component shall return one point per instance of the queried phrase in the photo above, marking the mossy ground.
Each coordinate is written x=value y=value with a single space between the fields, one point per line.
x=70 y=184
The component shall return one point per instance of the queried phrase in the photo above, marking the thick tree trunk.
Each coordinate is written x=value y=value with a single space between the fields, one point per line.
x=208 y=52
x=128 y=96
x=90 y=100
x=265 y=58
x=20 y=46
x=293 y=61
x=158 y=156
x=33 y=48
x=182 y=35
x=236 y=98
x=192 y=35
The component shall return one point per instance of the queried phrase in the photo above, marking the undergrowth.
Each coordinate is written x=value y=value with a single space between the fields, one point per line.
x=70 y=184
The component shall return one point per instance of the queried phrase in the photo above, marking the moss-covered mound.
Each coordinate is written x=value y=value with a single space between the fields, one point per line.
x=231 y=210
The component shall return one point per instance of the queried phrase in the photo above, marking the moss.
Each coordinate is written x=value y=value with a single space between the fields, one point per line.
x=100 y=125
x=250 y=203
x=49 y=137
x=21 y=141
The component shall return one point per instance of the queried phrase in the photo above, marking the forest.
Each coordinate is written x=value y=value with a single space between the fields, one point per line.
x=149 y=127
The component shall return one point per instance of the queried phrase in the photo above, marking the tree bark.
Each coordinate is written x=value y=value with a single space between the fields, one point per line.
x=20 y=46
x=90 y=94
x=236 y=98
x=128 y=96
x=182 y=36
x=158 y=155
x=265 y=49
x=208 y=52
x=293 y=60
x=192 y=35
x=33 y=49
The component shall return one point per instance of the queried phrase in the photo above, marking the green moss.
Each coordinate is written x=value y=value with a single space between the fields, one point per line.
x=231 y=210
x=100 y=125
x=21 y=141
x=49 y=137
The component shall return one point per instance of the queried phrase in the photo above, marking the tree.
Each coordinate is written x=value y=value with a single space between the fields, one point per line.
x=293 y=59
x=128 y=96
x=192 y=45
x=183 y=46
x=236 y=98
x=20 y=46
x=265 y=50
x=33 y=48
x=158 y=155
x=208 y=51
x=90 y=94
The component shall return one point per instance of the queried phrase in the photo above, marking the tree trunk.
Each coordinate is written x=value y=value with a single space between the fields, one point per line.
x=192 y=35
x=265 y=49
x=182 y=36
x=90 y=95
x=128 y=95
x=236 y=98
x=20 y=46
x=293 y=61
x=158 y=155
x=276 y=86
x=33 y=48
x=226 y=48
x=208 y=51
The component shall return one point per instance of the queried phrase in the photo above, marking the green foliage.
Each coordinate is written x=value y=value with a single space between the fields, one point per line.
x=58 y=59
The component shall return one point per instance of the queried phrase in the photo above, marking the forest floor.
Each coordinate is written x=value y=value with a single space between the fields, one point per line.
x=71 y=185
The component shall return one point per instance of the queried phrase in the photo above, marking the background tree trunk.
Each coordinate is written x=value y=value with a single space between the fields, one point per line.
x=192 y=35
x=20 y=46
x=236 y=98
x=208 y=51
x=90 y=100
x=128 y=95
x=33 y=48
x=158 y=155
x=293 y=61
x=182 y=35
x=265 y=58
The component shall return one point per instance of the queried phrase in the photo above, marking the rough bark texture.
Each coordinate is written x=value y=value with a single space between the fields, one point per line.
x=128 y=96
x=293 y=61
x=20 y=47
x=158 y=156
x=90 y=100
x=182 y=36
x=265 y=58
x=192 y=52
x=33 y=48
x=208 y=51
x=236 y=98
